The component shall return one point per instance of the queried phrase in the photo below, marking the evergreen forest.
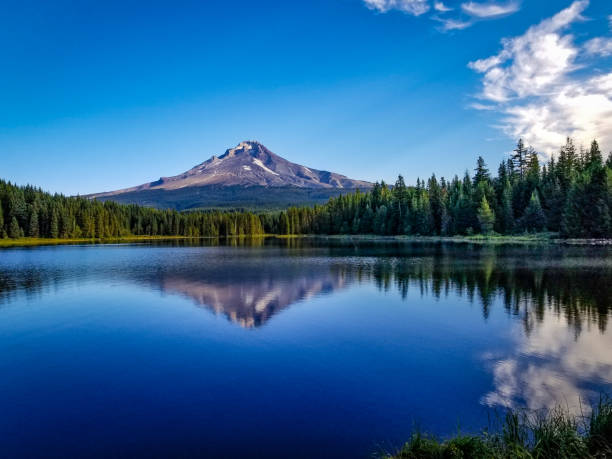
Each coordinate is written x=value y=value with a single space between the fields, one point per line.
x=570 y=194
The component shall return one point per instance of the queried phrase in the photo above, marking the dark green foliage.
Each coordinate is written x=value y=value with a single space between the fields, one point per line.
x=519 y=158
x=554 y=434
x=557 y=435
x=54 y=225
x=572 y=195
x=505 y=213
x=40 y=214
x=482 y=173
x=534 y=219
x=33 y=229
x=423 y=447
x=600 y=429
x=14 y=230
x=2 y=230
x=587 y=209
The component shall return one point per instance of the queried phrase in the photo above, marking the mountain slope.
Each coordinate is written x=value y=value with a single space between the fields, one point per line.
x=248 y=175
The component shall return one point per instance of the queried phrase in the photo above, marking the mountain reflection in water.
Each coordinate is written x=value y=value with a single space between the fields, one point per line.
x=558 y=298
x=251 y=286
x=250 y=301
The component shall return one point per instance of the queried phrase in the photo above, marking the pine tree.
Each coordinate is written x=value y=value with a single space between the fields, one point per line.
x=533 y=166
x=571 y=221
x=33 y=230
x=486 y=217
x=380 y=220
x=54 y=226
x=505 y=214
x=14 y=230
x=396 y=214
x=2 y=231
x=566 y=166
x=595 y=201
x=367 y=221
x=482 y=172
x=519 y=158
x=534 y=218
x=284 y=226
x=594 y=158
x=436 y=204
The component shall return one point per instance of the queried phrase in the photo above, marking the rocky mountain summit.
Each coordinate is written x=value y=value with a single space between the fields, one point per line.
x=249 y=166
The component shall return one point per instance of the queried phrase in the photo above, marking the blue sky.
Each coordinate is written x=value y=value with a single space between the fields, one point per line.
x=103 y=95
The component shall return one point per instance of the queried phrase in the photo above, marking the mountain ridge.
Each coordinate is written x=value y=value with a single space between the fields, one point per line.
x=250 y=163
x=233 y=177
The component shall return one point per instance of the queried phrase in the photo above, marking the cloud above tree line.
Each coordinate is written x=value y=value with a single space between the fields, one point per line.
x=544 y=84
x=547 y=86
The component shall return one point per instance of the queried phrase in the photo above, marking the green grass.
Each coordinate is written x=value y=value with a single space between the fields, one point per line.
x=538 y=238
x=34 y=241
x=554 y=434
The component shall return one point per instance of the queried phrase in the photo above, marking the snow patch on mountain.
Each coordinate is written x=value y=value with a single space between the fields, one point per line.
x=262 y=165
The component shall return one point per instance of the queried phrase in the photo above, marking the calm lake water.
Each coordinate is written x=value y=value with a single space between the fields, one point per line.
x=294 y=348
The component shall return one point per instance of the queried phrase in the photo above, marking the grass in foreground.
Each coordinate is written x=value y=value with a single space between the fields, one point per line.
x=555 y=434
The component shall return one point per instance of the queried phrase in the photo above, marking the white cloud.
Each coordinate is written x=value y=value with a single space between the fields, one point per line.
x=414 y=7
x=476 y=11
x=599 y=46
x=441 y=7
x=490 y=10
x=452 y=24
x=484 y=107
x=533 y=82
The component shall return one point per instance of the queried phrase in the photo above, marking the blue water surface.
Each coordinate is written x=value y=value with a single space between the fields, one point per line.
x=295 y=349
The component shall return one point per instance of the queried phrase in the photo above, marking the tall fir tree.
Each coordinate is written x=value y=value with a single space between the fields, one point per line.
x=2 y=230
x=534 y=219
x=519 y=158
x=486 y=217
x=436 y=204
x=33 y=228
x=14 y=229
x=54 y=225
x=481 y=172
x=505 y=214
x=566 y=166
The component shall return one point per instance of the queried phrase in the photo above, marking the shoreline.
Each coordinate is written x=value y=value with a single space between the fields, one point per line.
x=35 y=242
x=526 y=239
x=538 y=238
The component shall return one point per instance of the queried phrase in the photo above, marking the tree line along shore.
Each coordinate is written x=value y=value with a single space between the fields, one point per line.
x=570 y=196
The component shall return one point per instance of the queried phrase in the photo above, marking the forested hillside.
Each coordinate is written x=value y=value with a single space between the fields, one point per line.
x=571 y=195
x=30 y=212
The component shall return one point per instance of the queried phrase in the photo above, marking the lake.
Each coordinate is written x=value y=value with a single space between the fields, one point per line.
x=290 y=348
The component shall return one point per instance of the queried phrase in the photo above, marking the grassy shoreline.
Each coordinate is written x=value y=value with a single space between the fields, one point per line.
x=549 y=434
x=30 y=242
x=538 y=238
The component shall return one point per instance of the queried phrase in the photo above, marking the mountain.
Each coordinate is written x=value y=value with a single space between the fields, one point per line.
x=248 y=175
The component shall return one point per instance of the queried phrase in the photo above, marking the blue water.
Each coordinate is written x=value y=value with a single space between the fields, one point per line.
x=289 y=348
